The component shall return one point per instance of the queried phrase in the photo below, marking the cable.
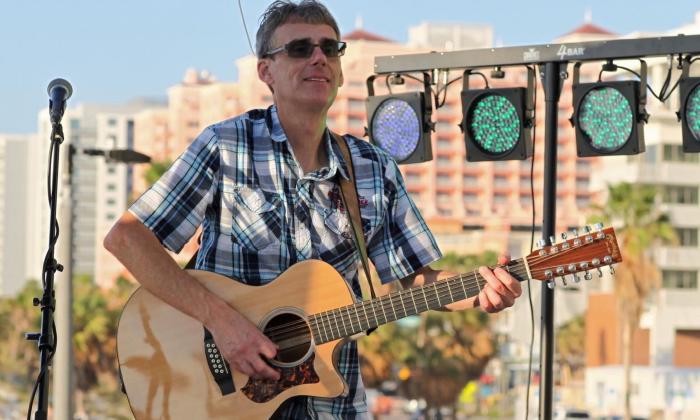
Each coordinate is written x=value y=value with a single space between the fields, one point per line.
x=532 y=240
x=662 y=96
x=245 y=28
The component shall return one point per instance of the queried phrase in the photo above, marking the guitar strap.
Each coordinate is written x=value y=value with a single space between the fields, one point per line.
x=348 y=191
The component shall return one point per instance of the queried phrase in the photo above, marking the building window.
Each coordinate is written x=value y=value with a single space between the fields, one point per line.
x=583 y=166
x=356 y=105
x=500 y=199
x=500 y=181
x=445 y=212
x=356 y=123
x=582 y=201
x=444 y=143
x=687 y=236
x=111 y=187
x=74 y=124
x=443 y=198
x=470 y=197
x=680 y=195
x=442 y=160
x=679 y=279
x=470 y=180
x=111 y=202
x=674 y=153
x=112 y=122
x=444 y=180
x=686 y=349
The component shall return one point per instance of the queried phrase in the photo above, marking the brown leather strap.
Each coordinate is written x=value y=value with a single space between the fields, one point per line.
x=348 y=191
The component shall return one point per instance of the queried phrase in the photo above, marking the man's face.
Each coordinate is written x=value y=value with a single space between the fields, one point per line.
x=302 y=83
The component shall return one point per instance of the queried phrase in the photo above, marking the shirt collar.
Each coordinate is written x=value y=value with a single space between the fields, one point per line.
x=336 y=163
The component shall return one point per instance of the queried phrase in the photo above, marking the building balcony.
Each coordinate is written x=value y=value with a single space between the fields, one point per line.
x=677 y=257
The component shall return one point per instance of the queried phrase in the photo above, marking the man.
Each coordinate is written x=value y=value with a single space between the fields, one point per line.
x=264 y=188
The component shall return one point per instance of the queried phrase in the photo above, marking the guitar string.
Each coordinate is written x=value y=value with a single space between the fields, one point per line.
x=443 y=285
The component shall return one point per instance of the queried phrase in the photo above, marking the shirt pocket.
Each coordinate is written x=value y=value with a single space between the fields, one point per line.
x=256 y=217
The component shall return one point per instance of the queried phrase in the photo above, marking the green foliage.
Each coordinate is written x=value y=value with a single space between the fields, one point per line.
x=155 y=171
x=443 y=352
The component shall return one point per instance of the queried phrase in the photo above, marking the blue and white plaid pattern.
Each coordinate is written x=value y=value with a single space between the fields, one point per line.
x=261 y=214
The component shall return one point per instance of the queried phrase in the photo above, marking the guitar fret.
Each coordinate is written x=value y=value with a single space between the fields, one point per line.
x=365 y=311
x=414 y=301
x=425 y=298
x=392 y=308
x=359 y=323
x=383 y=313
x=345 y=326
x=437 y=294
x=476 y=277
x=449 y=290
x=325 y=332
x=337 y=327
x=375 y=314
x=462 y=283
x=405 y=313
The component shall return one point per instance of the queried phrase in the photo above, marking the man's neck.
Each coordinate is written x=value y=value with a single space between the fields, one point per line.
x=304 y=131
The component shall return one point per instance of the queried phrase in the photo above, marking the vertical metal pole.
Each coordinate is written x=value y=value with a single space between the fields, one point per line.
x=63 y=362
x=552 y=78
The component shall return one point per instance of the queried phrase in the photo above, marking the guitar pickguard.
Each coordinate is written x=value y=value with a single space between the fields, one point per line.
x=263 y=390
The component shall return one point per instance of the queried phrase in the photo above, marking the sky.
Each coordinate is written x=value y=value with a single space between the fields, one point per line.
x=115 y=51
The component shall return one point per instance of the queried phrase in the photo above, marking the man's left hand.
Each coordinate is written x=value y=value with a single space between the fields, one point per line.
x=501 y=288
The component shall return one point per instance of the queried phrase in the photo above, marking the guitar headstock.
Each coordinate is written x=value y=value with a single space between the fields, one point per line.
x=590 y=251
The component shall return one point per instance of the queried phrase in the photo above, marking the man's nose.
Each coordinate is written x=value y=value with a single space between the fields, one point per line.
x=317 y=56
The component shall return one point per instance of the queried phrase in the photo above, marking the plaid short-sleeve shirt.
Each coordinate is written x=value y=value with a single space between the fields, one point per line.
x=260 y=214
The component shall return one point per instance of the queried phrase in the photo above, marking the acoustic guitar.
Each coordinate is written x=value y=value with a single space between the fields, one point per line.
x=172 y=369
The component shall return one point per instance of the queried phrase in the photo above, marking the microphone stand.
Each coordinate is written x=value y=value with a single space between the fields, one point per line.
x=47 y=337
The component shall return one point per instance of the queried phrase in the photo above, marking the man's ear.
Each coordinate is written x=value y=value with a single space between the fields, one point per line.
x=341 y=80
x=264 y=71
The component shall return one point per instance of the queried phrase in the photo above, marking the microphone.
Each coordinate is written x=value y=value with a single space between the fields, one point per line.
x=59 y=91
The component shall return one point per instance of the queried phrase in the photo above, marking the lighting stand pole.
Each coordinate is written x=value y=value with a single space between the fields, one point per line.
x=552 y=75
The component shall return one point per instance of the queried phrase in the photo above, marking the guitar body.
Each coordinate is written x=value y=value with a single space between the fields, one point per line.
x=164 y=359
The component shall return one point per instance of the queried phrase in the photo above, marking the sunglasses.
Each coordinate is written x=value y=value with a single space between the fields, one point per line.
x=303 y=48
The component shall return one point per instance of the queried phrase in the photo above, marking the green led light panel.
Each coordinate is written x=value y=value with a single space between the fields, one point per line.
x=494 y=124
x=692 y=112
x=605 y=116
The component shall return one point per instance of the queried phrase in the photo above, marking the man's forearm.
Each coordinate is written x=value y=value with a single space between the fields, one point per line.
x=142 y=254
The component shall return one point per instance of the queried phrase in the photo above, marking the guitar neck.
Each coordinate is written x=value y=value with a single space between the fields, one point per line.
x=367 y=314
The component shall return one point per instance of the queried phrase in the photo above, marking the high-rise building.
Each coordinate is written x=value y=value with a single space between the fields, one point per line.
x=100 y=188
x=14 y=157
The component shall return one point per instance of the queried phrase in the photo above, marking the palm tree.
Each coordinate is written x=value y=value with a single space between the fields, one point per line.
x=639 y=224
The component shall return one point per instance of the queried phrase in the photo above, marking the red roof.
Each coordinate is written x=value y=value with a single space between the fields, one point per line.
x=359 y=34
x=591 y=29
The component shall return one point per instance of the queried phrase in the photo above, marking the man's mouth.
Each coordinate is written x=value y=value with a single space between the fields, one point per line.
x=317 y=79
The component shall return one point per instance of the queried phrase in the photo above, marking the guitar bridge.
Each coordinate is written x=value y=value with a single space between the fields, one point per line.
x=218 y=366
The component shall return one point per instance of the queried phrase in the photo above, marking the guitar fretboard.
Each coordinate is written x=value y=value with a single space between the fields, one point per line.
x=349 y=320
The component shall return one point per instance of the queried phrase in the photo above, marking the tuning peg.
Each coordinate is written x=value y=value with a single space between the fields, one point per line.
x=574 y=231
x=612 y=270
x=563 y=235
x=600 y=272
x=598 y=227
x=551 y=284
x=577 y=279
x=587 y=229
x=552 y=240
x=587 y=276
x=563 y=281
x=541 y=243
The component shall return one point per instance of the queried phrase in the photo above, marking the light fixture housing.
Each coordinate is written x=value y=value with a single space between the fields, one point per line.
x=400 y=124
x=496 y=122
x=608 y=116
x=689 y=113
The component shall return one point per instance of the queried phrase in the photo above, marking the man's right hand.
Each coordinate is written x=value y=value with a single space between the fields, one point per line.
x=243 y=345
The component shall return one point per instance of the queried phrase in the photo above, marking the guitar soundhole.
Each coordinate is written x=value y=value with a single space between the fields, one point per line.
x=292 y=335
